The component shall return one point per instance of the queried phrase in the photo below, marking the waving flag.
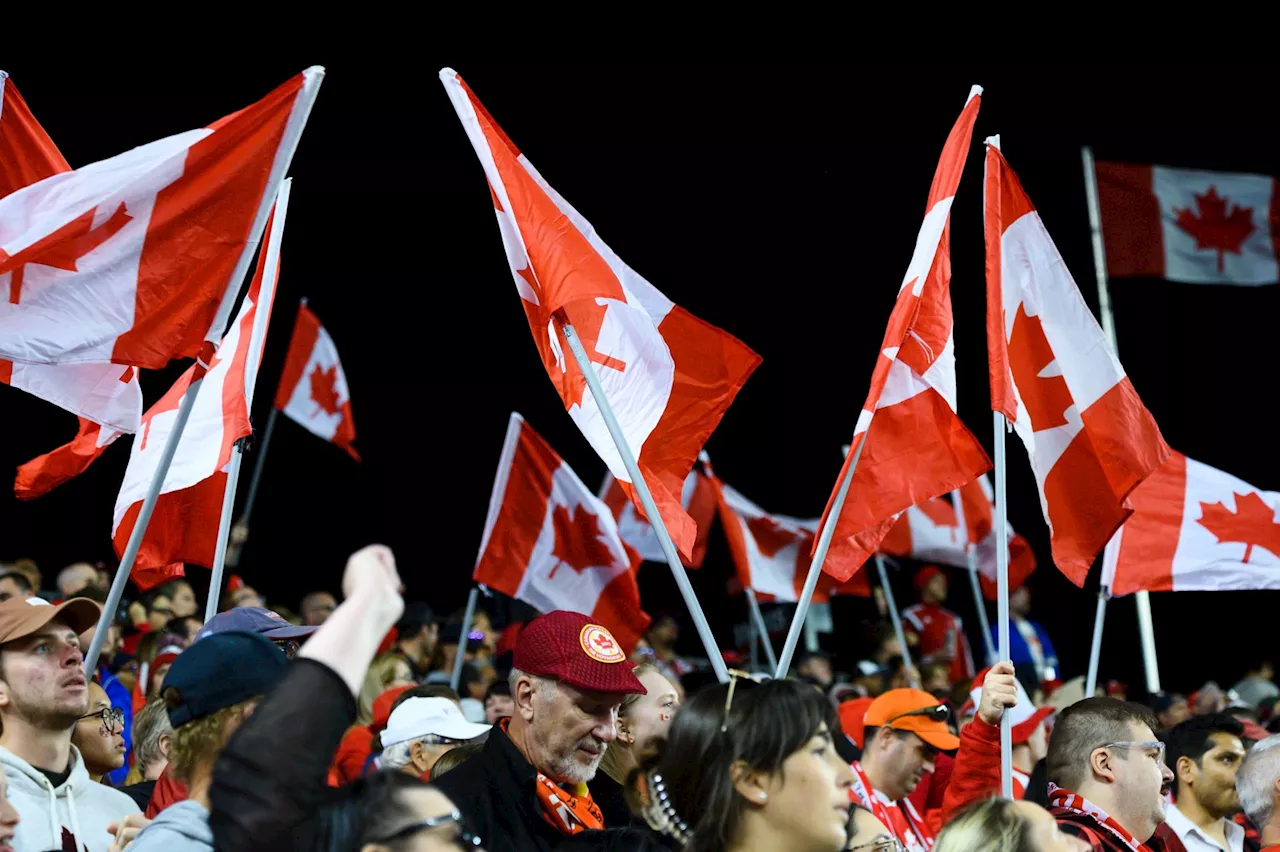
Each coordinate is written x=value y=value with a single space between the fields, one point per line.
x=313 y=389
x=916 y=448
x=698 y=499
x=551 y=543
x=1053 y=376
x=668 y=375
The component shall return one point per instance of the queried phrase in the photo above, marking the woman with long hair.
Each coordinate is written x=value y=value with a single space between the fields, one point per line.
x=999 y=825
x=641 y=720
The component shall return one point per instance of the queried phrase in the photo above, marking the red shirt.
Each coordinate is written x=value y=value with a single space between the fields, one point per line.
x=941 y=636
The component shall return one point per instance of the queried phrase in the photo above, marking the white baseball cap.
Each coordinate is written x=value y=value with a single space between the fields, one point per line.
x=421 y=717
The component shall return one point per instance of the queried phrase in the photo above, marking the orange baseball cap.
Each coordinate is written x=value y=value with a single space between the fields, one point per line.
x=898 y=708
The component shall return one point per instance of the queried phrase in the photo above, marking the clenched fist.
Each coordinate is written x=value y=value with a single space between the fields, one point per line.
x=999 y=691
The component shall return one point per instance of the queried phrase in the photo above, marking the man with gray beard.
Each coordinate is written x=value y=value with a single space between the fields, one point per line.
x=527 y=790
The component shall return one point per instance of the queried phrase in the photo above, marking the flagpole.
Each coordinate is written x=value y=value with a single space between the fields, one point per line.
x=224 y=530
x=1141 y=600
x=252 y=496
x=1095 y=650
x=646 y=498
x=971 y=558
x=1002 y=598
x=762 y=631
x=895 y=618
x=459 y=658
x=815 y=566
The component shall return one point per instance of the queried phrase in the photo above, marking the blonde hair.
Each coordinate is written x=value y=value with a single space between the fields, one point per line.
x=198 y=742
x=992 y=825
x=381 y=672
x=614 y=764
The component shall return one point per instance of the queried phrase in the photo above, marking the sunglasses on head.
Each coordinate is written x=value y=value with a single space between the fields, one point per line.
x=937 y=713
x=734 y=675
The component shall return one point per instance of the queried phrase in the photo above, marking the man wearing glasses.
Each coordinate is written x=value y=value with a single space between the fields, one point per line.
x=43 y=692
x=1106 y=774
x=904 y=731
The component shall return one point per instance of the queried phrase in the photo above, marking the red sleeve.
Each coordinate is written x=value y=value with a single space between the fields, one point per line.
x=977 y=770
x=349 y=760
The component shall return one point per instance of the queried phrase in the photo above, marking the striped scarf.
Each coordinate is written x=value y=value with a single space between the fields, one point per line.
x=1065 y=800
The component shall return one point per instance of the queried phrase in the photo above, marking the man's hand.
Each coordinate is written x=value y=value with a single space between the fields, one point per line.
x=999 y=690
x=372 y=571
x=125 y=830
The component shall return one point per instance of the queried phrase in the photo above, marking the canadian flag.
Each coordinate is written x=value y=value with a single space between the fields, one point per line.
x=313 y=388
x=1189 y=225
x=184 y=525
x=1053 y=376
x=668 y=376
x=931 y=532
x=1195 y=528
x=916 y=447
x=98 y=393
x=697 y=497
x=772 y=552
x=138 y=259
x=551 y=543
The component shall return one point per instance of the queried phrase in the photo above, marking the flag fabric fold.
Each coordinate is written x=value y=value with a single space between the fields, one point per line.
x=697 y=497
x=313 y=389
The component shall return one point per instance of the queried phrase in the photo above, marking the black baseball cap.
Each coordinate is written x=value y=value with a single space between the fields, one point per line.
x=219 y=671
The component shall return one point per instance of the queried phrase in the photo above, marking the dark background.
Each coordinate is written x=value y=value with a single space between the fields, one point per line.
x=780 y=203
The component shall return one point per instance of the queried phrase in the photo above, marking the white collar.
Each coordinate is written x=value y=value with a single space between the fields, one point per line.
x=1183 y=826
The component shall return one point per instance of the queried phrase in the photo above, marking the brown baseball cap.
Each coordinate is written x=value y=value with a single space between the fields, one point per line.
x=20 y=617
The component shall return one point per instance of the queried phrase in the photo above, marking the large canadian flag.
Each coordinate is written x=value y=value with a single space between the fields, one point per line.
x=931 y=532
x=697 y=497
x=97 y=393
x=313 y=388
x=668 y=376
x=138 y=259
x=1054 y=377
x=1195 y=528
x=1189 y=225
x=916 y=448
x=184 y=525
x=551 y=543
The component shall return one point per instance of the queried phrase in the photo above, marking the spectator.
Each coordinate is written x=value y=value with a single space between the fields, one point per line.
x=528 y=788
x=27 y=568
x=1170 y=709
x=43 y=692
x=416 y=637
x=73 y=579
x=1258 y=685
x=903 y=731
x=1258 y=786
x=935 y=679
x=642 y=719
x=662 y=637
x=159 y=669
x=354 y=756
x=939 y=631
x=209 y=692
x=474 y=685
x=256 y=619
x=1108 y=770
x=420 y=731
x=186 y=626
x=386 y=672
x=999 y=825
x=316 y=607
x=183 y=602
x=815 y=667
x=99 y=735
x=159 y=608
x=152 y=735
x=245 y=596
x=1029 y=643
x=1204 y=754
x=498 y=702
x=455 y=757
x=14 y=584
x=870 y=675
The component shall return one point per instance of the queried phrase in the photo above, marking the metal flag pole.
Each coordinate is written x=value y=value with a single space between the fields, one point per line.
x=757 y=618
x=224 y=530
x=895 y=618
x=1141 y=600
x=252 y=496
x=646 y=498
x=456 y=677
x=971 y=557
x=1095 y=650
x=1002 y=598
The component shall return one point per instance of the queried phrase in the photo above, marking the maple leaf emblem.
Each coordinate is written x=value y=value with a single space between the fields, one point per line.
x=1252 y=523
x=769 y=536
x=578 y=540
x=1216 y=228
x=63 y=247
x=323 y=391
x=1046 y=398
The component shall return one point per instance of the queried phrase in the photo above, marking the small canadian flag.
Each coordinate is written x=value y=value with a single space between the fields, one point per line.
x=313 y=388
x=551 y=543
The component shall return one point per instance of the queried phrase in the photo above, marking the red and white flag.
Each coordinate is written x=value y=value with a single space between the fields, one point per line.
x=139 y=259
x=313 y=388
x=698 y=499
x=931 y=532
x=1189 y=225
x=668 y=376
x=184 y=525
x=551 y=543
x=1195 y=528
x=1054 y=377
x=916 y=447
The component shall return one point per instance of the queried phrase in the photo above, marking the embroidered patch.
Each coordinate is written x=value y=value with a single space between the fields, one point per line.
x=600 y=644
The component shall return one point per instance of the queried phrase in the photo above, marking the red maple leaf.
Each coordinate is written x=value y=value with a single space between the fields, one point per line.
x=63 y=247
x=1046 y=398
x=323 y=392
x=769 y=536
x=1253 y=522
x=1215 y=228
x=578 y=542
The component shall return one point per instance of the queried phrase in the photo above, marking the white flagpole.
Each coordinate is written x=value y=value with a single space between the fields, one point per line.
x=646 y=498
x=1095 y=650
x=224 y=530
x=1142 y=600
x=761 y=630
x=971 y=557
x=1002 y=598
x=815 y=567
x=895 y=618
x=456 y=677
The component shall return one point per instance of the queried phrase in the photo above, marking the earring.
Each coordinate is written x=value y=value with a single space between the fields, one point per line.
x=762 y=796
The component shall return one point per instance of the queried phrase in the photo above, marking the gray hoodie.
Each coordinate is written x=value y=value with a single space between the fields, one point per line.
x=183 y=827
x=79 y=808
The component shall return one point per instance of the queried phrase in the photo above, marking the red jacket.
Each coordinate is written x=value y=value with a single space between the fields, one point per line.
x=941 y=636
x=977 y=769
x=168 y=791
x=357 y=744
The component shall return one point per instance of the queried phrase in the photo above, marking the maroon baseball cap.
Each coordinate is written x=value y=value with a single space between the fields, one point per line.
x=573 y=649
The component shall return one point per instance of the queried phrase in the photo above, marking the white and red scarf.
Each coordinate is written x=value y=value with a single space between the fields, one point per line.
x=900 y=817
x=1066 y=800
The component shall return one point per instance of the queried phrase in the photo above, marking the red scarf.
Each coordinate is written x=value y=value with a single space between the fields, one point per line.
x=1075 y=803
x=569 y=813
x=900 y=817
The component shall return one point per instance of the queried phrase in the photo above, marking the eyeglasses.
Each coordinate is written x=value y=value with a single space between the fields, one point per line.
x=734 y=674
x=1129 y=744
x=939 y=713
x=464 y=839
x=887 y=844
x=289 y=646
x=111 y=720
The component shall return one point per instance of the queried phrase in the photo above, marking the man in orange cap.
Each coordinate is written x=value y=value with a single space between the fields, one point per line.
x=904 y=729
x=939 y=630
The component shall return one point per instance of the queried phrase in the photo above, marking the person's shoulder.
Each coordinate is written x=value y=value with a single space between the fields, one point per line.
x=466 y=780
x=109 y=797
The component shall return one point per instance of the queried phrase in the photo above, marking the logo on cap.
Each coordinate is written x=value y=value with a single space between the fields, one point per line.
x=600 y=644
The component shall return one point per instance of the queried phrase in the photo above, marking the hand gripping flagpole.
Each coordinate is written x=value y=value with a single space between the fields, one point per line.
x=646 y=498
x=895 y=618
x=1141 y=600
x=971 y=557
x=1002 y=598
x=757 y=618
